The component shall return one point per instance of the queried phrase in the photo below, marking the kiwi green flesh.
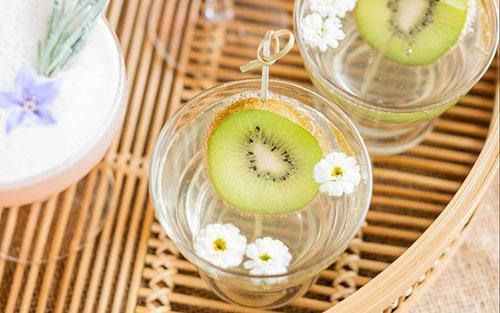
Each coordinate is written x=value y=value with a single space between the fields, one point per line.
x=262 y=162
x=437 y=26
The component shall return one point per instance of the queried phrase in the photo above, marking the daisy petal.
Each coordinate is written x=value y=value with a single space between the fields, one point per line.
x=353 y=176
x=348 y=187
x=322 y=172
x=249 y=264
x=252 y=252
x=267 y=256
x=323 y=188
x=221 y=245
x=335 y=189
x=351 y=162
x=323 y=46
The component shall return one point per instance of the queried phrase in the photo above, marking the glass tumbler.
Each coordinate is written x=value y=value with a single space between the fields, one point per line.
x=185 y=201
x=394 y=105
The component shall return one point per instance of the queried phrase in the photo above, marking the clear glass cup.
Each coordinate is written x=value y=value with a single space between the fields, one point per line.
x=185 y=201
x=393 y=105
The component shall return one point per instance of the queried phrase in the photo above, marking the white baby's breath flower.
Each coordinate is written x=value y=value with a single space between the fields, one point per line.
x=221 y=245
x=324 y=8
x=267 y=256
x=320 y=33
x=337 y=174
x=332 y=8
x=344 y=6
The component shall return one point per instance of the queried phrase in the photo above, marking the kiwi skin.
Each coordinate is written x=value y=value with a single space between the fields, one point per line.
x=272 y=105
x=276 y=106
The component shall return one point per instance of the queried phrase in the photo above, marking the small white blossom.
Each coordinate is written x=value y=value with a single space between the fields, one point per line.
x=324 y=8
x=267 y=256
x=320 y=33
x=344 y=6
x=221 y=245
x=337 y=174
x=332 y=8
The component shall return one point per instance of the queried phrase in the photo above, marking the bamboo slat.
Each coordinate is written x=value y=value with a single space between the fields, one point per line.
x=131 y=266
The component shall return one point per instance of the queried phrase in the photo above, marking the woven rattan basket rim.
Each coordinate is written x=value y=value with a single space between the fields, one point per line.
x=380 y=292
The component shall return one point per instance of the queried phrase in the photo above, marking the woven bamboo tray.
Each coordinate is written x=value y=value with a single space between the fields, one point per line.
x=423 y=199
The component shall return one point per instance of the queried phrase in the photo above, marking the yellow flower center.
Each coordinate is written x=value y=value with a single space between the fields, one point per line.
x=265 y=257
x=219 y=244
x=337 y=172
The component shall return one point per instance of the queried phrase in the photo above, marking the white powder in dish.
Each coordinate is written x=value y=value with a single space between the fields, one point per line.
x=86 y=104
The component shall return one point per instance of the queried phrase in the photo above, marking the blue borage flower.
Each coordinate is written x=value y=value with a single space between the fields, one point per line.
x=30 y=100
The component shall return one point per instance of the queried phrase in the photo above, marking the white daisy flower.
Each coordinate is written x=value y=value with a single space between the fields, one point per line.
x=332 y=7
x=320 y=33
x=267 y=257
x=337 y=174
x=221 y=245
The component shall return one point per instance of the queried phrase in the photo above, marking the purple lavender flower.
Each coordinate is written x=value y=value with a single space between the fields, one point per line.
x=29 y=100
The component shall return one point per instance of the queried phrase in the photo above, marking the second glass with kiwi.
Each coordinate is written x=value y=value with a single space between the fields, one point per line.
x=261 y=196
x=395 y=65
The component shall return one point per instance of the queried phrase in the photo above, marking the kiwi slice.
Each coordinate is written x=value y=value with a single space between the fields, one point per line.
x=411 y=32
x=262 y=162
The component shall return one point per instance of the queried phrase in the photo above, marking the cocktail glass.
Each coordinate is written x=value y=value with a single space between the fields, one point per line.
x=394 y=105
x=185 y=201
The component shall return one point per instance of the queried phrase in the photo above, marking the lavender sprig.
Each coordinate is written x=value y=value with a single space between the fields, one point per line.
x=70 y=23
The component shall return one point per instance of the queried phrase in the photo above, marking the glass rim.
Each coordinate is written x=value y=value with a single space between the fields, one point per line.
x=119 y=102
x=357 y=100
x=154 y=178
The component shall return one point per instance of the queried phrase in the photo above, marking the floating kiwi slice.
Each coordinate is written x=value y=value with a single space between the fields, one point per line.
x=411 y=32
x=261 y=161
